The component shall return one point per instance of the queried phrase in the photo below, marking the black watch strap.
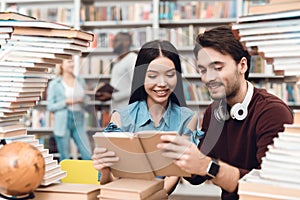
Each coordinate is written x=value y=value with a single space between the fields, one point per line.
x=212 y=169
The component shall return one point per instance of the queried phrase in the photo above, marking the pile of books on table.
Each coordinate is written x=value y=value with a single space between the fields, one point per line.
x=279 y=176
x=30 y=49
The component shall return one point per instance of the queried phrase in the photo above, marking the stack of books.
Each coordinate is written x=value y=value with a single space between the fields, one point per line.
x=68 y=191
x=279 y=175
x=276 y=34
x=30 y=49
x=130 y=189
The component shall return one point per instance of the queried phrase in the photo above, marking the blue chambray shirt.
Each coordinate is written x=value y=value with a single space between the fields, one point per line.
x=136 y=117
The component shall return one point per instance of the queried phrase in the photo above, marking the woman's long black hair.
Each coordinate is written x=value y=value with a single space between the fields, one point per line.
x=149 y=52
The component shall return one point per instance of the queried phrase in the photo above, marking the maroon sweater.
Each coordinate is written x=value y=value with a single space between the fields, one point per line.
x=243 y=143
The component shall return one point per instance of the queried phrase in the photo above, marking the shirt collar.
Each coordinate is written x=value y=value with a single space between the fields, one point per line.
x=143 y=116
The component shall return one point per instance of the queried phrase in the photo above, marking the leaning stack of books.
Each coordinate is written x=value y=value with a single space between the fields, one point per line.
x=30 y=49
x=279 y=175
x=275 y=29
x=136 y=189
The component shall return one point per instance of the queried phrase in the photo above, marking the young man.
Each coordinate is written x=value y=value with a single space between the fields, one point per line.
x=122 y=72
x=240 y=123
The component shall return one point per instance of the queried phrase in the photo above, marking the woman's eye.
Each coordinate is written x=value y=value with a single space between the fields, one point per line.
x=170 y=74
x=151 y=76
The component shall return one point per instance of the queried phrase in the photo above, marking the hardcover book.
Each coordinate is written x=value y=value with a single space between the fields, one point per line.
x=127 y=188
x=68 y=191
x=133 y=148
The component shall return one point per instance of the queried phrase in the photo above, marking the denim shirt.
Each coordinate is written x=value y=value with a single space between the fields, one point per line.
x=136 y=117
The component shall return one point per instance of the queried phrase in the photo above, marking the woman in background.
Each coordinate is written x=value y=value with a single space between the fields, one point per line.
x=66 y=98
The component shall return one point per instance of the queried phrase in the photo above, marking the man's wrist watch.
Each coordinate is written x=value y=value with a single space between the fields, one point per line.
x=212 y=169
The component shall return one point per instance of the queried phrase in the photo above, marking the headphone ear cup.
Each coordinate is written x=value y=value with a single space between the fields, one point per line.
x=238 y=111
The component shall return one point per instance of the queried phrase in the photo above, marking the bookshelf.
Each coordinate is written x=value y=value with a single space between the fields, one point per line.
x=144 y=20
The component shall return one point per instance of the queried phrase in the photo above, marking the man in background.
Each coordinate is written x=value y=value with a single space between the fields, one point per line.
x=122 y=72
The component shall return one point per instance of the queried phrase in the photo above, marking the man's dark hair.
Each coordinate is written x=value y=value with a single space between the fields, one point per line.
x=223 y=40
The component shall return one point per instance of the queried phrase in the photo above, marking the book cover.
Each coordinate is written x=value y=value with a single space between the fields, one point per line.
x=15 y=16
x=68 y=191
x=69 y=33
x=127 y=188
x=140 y=148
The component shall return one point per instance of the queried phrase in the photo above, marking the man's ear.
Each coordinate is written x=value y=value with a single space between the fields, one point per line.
x=243 y=65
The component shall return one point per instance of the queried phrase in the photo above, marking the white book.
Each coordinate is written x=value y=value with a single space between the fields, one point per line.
x=38 y=61
x=4 y=66
x=22 y=89
x=4 y=35
x=270 y=36
x=27 y=74
x=268 y=30
x=279 y=157
x=44 y=39
x=41 y=54
x=33 y=23
x=270 y=16
x=48 y=45
x=290 y=41
x=22 y=79
x=7 y=29
x=54 y=178
x=9 y=47
x=27 y=64
x=267 y=163
x=285 y=176
x=22 y=84
x=12 y=110
x=257 y=187
x=17 y=99
x=263 y=24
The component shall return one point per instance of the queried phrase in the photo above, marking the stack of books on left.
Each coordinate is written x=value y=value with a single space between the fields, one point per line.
x=130 y=189
x=279 y=176
x=30 y=49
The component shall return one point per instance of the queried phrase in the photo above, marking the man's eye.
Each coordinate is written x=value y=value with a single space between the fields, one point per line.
x=202 y=71
x=218 y=68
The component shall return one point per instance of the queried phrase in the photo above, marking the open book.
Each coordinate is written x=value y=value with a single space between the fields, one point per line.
x=138 y=154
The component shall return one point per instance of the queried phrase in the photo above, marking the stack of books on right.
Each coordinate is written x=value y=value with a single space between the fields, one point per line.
x=279 y=176
x=274 y=28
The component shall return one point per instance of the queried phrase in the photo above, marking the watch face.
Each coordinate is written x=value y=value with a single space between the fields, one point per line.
x=213 y=169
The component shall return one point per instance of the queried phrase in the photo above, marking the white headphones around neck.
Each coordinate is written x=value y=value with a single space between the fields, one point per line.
x=238 y=111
